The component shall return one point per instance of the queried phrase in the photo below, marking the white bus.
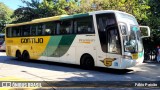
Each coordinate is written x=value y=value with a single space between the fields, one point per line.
x=106 y=38
x=2 y=42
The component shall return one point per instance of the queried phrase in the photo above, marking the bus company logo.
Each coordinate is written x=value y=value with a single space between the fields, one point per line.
x=108 y=61
x=31 y=40
x=86 y=41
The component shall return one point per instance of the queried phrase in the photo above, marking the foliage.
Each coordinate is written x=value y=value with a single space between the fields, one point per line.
x=154 y=23
x=46 y=8
x=5 y=14
x=134 y=7
x=31 y=11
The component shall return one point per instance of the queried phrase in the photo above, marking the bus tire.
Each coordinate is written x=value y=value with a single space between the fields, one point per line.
x=18 y=55
x=25 y=56
x=87 y=61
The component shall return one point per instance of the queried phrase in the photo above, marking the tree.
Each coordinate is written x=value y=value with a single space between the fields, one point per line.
x=154 y=23
x=31 y=11
x=134 y=7
x=5 y=14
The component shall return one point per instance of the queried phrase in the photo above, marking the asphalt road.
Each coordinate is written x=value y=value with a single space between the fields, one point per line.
x=12 y=69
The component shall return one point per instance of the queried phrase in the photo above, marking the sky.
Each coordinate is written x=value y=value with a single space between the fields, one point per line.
x=13 y=4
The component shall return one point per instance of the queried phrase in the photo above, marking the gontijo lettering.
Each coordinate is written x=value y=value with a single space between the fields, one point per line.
x=32 y=40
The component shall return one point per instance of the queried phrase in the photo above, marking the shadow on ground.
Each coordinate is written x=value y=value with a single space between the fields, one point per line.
x=42 y=64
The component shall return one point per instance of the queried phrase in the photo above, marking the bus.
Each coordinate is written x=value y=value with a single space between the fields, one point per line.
x=105 y=38
x=2 y=42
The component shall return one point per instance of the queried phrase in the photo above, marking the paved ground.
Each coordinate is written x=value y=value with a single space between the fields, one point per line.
x=11 y=69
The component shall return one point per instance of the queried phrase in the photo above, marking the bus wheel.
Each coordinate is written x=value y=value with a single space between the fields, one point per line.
x=18 y=55
x=25 y=56
x=87 y=62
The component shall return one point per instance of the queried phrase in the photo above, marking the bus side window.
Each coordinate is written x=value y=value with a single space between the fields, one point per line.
x=18 y=31
x=9 y=32
x=65 y=27
x=58 y=28
x=15 y=31
x=84 y=26
x=114 y=45
x=75 y=27
x=40 y=29
x=25 y=30
x=50 y=28
x=33 y=30
x=113 y=36
x=102 y=32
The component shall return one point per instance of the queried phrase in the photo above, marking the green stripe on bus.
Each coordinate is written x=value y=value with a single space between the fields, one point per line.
x=74 y=16
x=52 y=45
x=65 y=44
x=58 y=45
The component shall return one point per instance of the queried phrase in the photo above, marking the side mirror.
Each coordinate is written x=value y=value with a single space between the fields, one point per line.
x=145 y=31
x=124 y=29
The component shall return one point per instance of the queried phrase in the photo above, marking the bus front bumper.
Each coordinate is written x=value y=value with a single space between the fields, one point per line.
x=126 y=63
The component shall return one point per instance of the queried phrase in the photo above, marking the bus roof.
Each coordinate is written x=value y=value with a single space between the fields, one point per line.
x=54 y=18
x=108 y=11
x=63 y=17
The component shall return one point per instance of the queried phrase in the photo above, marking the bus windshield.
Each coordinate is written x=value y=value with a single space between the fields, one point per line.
x=133 y=42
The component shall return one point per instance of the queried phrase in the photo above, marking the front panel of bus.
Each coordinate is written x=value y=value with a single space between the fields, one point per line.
x=133 y=43
x=118 y=50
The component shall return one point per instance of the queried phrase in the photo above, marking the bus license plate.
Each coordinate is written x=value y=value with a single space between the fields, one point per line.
x=135 y=56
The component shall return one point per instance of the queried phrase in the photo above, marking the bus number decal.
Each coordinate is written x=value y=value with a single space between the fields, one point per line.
x=32 y=40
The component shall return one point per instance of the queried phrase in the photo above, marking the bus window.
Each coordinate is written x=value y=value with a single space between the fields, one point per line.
x=65 y=27
x=75 y=27
x=102 y=31
x=9 y=32
x=113 y=40
x=50 y=28
x=84 y=26
x=58 y=28
x=25 y=30
x=108 y=33
x=33 y=30
x=40 y=29
x=15 y=31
